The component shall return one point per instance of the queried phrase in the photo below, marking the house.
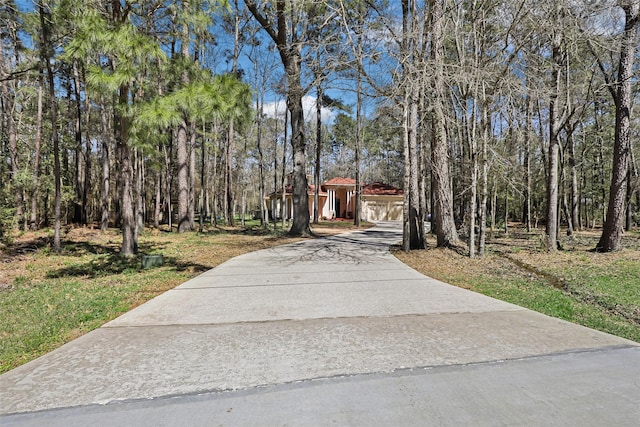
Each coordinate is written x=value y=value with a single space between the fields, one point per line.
x=336 y=199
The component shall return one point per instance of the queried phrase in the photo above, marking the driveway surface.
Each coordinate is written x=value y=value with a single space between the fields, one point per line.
x=328 y=331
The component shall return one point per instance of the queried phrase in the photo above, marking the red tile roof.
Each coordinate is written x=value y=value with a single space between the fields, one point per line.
x=376 y=188
x=341 y=181
x=380 y=189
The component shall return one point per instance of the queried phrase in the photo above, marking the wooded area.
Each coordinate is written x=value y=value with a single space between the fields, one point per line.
x=134 y=114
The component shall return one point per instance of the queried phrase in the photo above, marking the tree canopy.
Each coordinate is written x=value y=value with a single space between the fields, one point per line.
x=487 y=113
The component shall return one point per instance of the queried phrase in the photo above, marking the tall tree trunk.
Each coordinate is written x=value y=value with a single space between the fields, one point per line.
x=573 y=171
x=358 y=196
x=183 y=178
x=416 y=212
x=192 y=178
x=283 y=203
x=485 y=124
x=527 y=164
x=129 y=242
x=274 y=203
x=264 y=215
x=406 y=181
x=86 y=190
x=316 y=175
x=228 y=178
x=300 y=226
x=157 y=211
x=79 y=216
x=33 y=223
x=129 y=235
x=139 y=173
x=203 y=179
x=554 y=129
x=406 y=124
x=12 y=135
x=613 y=230
x=45 y=57
x=106 y=167
x=184 y=222
x=283 y=32
x=473 y=148
x=446 y=232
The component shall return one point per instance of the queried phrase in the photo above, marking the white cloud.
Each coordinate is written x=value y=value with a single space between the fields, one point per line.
x=308 y=105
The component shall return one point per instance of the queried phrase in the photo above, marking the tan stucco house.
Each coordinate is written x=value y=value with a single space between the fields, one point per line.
x=336 y=199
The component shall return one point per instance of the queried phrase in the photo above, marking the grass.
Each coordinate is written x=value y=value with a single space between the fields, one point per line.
x=47 y=300
x=601 y=291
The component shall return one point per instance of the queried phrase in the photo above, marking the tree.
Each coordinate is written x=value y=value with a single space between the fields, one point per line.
x=445 y=226
x=286 y=22
x=613 y=230
x=46 y=50
x=126 y=53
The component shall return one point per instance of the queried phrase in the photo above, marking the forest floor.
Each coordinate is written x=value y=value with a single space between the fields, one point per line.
x=48 y=300
x=597 y=290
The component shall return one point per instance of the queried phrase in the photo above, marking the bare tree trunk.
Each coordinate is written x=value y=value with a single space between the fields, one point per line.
x=264 y=215
x=139 y=174
x=54 y=126
x=129 y=242
x=473 y=148
x=446 y=232
x=33 y=223
x=79 y=208
x=284 y=34
x=406 y=203
x=203 y=179
x=283 y=203
x=157 y=206
x=416 y=212
x=228 y=179
x=214 y=211
x=573 y=170
x=12 y=135
x=168 y=183
x=494 y=206
x=527 y=164
x=129 y=235
x=358 y=196
x=106 y=167
x=275 y=174
x=192 y=178
x=300 y=226
x=86 y=190
x=184 y=222
x=484 y=180
x=316 y=176
x=613 y=230
x=554 y=129
x=183 y=139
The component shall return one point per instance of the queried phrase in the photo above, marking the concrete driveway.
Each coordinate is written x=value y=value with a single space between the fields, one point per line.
x=328 y=331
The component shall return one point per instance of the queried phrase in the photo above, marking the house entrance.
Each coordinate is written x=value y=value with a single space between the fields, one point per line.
x=338 y=212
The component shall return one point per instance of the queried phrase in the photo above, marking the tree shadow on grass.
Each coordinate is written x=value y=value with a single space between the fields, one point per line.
x=107 y=261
